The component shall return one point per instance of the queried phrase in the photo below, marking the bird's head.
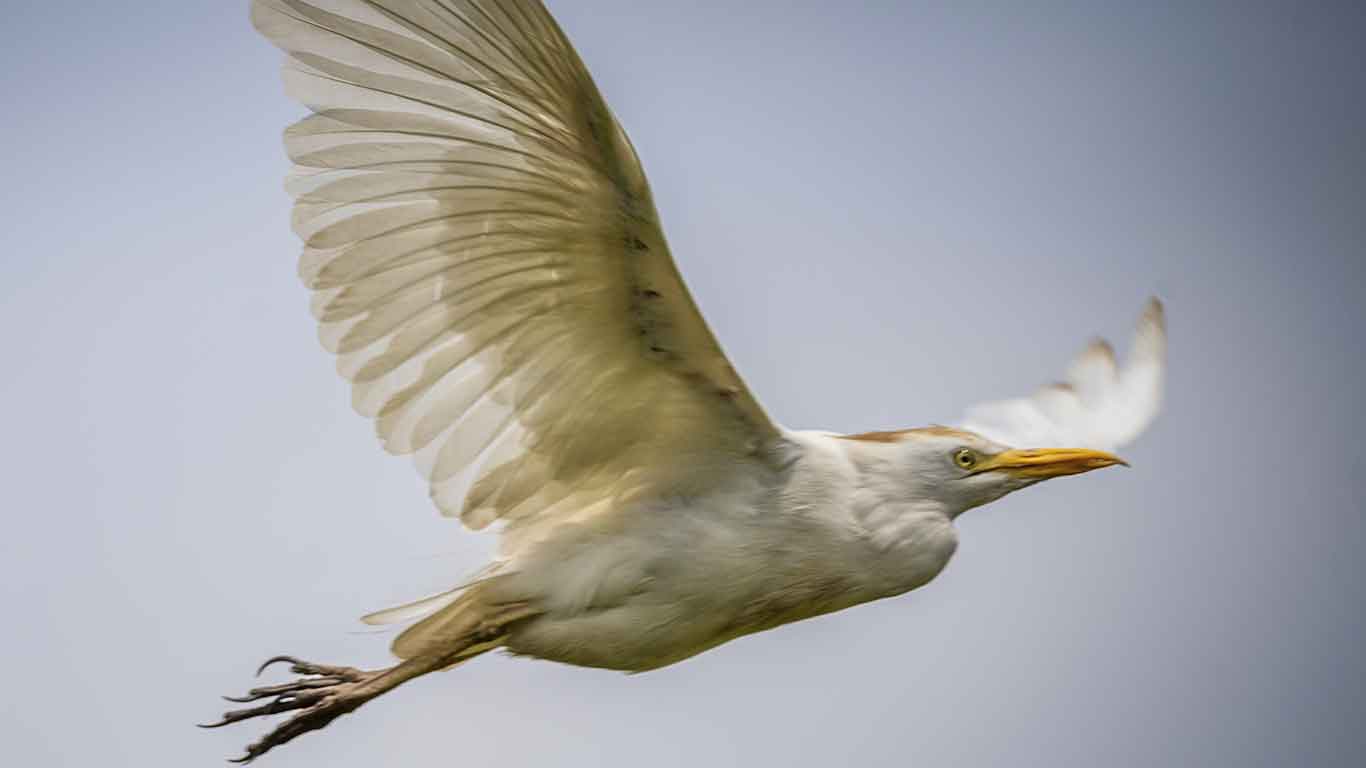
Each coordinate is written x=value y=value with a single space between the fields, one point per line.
x=961 y=470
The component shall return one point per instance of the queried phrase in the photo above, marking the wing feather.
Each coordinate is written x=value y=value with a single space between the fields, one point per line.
x=1101 y=405
x=487 y=263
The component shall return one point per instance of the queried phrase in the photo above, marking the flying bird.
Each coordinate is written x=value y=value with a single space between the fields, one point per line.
x=488 y=266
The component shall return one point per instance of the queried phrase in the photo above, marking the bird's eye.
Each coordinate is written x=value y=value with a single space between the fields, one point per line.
x=965 y=458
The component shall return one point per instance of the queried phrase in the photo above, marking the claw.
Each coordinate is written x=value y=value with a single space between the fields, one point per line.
x=268 y=663
x=282 y=690
x=301 y=667
x=318 y=710
x=320 y=694
x=276 y=660
x=281 y=704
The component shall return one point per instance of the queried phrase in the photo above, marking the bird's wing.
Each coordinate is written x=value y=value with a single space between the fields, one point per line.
x=1100 y=405
x=488 y=265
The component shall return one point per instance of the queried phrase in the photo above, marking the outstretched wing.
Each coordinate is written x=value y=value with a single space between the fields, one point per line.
x=488 y=265
x=1101 y=405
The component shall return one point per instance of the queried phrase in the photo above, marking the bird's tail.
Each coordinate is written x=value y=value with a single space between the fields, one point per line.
x=461 y=616
x=449 y=623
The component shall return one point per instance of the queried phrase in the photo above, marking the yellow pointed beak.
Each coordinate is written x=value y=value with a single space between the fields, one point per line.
x=1043 y=463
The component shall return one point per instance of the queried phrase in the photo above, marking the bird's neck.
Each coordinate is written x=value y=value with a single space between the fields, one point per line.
x=892 y=540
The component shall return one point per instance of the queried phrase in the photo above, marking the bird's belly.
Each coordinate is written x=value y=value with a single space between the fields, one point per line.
x=631 y=638
x=671 y=584
x=653 y=630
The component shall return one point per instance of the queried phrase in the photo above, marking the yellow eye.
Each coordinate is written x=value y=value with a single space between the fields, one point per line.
x=965 y=458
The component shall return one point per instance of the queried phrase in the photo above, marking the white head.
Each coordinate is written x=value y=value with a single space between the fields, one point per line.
x=960 y=470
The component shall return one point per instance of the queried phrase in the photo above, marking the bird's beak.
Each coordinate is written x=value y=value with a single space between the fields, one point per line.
x=1043 y=463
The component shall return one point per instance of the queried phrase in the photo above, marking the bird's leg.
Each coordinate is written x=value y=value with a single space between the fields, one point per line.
x=322 y=694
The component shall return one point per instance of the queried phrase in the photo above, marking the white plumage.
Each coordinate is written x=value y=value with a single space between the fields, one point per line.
x=1099 y=405
x=488 y=266
x=487 y=262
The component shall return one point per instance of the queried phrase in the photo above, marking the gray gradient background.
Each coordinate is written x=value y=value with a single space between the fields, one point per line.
x=888 y=212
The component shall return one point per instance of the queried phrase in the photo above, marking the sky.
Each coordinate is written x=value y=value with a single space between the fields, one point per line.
x=888 y=212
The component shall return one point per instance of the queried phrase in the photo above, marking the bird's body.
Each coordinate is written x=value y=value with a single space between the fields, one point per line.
x=487 y=263
x=658 y=580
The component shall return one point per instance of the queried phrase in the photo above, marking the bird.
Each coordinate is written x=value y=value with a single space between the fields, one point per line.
x=487 y=264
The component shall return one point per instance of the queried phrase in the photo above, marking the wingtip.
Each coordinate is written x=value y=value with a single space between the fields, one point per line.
x=1150 y=337
x=1155 y=312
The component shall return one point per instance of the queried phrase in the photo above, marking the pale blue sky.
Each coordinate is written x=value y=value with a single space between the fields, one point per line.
x=888 y=211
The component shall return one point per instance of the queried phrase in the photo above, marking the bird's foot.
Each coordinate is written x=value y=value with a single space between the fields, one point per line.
x=320 y=695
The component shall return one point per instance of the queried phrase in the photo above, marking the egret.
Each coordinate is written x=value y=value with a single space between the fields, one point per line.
x=488 y=266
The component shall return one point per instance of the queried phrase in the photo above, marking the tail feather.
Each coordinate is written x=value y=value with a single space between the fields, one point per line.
x=468 y=615
x=418 y=609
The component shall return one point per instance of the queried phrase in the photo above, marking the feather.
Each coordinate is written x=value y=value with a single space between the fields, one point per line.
x=1101 y=405
x=412 y=611
x=488 y=265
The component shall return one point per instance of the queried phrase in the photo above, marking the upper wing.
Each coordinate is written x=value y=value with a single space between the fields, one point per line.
x=488 y=264
x=1100 y=405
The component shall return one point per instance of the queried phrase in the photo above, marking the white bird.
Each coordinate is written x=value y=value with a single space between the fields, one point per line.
x=487 y=264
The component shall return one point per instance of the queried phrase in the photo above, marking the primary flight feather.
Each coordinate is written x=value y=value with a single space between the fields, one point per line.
x=488 y=266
